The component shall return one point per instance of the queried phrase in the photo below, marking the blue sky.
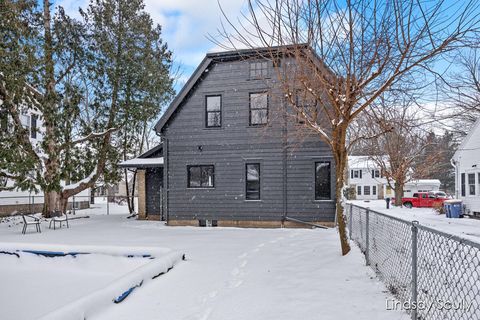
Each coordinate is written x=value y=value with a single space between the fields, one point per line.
x=185 y=23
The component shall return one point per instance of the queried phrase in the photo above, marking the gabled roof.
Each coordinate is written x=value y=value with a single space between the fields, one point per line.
x=471 y=133
x=203 y=67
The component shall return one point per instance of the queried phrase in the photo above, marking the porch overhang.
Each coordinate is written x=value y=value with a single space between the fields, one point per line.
x=140 y=163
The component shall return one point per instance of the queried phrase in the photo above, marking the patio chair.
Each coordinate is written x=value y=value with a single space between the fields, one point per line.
x=35 y=222
x=58 y=219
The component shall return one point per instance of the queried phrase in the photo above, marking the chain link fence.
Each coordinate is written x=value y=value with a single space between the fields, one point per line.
x=433 y=274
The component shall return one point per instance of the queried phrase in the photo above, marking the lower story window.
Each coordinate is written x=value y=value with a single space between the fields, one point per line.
x=471 y=184
x=374 y=190
x=359 y=190
x=322 y=181
x=366 y=190
x=252 y=181
x=201 y=176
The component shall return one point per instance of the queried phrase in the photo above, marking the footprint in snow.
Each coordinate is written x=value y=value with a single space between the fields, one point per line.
x=243 y=255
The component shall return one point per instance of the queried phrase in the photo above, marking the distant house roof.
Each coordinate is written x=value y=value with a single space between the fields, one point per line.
x=221 y=56
x=361 y=162
x=424 y=182
x=150 y=159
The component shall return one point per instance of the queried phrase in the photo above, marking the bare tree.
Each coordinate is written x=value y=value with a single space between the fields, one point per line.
x=401 y=151
x=356 y=51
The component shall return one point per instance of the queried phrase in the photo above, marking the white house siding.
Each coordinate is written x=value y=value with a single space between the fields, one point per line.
x=422 y=185
x=467 y=164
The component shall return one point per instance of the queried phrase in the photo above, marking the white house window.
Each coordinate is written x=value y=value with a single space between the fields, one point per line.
x=375 y=173
x=258 y=69
x=33 y=126
x=366 y=190
x=374 y=190
x=359 y=190
x=471 y=184
x=463 y=187
x=357 y=174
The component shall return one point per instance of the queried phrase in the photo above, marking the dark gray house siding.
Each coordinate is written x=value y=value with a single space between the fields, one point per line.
x=285 y=151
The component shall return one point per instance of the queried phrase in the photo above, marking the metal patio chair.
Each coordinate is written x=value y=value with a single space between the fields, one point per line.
x=35 y=222
x=58 y=219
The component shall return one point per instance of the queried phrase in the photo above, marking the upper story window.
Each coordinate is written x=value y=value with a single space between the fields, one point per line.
x=471 y=184
x=322 y=181
x=213 y=115
x=258 y=108
x=375 y=173
x=252 y=181
x=305 y=103
x=258 y=69
x=200 y=176
x=356 y=174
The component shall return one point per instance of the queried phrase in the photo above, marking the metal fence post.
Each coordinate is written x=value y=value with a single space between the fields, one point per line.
x=73 y=205
x=367 y=242
x=350 y=222
x=108 y=206
x=414 y=268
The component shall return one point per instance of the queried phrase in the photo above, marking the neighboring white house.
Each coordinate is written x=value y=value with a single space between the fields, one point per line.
x=466 y=161
x=365 y=176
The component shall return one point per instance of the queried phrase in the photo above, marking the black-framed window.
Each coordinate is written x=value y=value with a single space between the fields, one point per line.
x=366 y=190
x=374 y=190
x=471 y=184
x=258 y=108
x=252 y=178
x=305 y=102
x=202 y=176
x=322 y=180
x=375 y=173
x=258 y=69
x=463 y=184
x=359 y=190
x=213 y=111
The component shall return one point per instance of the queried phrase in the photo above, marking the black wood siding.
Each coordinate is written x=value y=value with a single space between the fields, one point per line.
x=286 y=156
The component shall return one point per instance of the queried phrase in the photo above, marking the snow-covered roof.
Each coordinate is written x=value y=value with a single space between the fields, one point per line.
x=361 y=162
x=425 y=181
x=142 y=163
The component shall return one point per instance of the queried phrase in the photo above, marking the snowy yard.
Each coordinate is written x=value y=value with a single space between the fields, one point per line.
x=465 y=227
x=229 y=273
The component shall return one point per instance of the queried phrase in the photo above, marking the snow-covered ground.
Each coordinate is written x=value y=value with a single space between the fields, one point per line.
x=229 y=273
x=465 y=227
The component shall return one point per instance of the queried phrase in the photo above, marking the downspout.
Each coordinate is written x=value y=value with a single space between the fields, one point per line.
x=285 y=150
x=452 y=162
x=164 y=141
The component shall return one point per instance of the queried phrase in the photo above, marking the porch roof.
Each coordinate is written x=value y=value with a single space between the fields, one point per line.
x=142 y=163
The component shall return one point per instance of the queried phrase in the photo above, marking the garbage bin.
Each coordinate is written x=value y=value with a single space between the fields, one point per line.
x=453 y=208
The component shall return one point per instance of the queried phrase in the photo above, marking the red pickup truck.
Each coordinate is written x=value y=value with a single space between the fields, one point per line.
x=423 y=200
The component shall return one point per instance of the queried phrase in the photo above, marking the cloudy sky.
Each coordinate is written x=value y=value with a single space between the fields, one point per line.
x=186 y=25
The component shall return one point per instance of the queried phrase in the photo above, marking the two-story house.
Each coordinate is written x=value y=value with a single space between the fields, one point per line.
x=365 y=177
x=230 y=156
x=466 y=162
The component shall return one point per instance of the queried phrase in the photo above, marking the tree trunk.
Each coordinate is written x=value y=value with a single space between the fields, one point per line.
x=340 y=154
x=398 y=193
x=51 y=203
x=130 y=208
